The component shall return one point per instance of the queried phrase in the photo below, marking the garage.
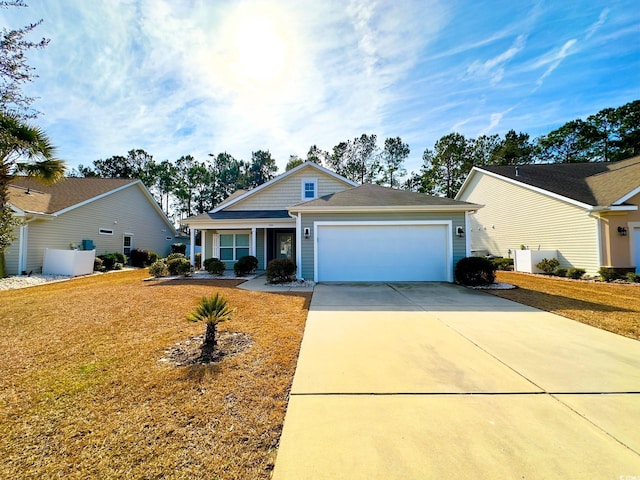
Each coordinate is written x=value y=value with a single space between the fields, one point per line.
x=383 y=251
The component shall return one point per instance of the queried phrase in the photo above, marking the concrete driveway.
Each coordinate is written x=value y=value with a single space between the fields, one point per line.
x=417 y=381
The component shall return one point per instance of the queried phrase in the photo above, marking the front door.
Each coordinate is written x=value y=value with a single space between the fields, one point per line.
x=284 y=245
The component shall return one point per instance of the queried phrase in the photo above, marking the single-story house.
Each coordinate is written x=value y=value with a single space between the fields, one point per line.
x=588 y=212
x=336 y=230
x=110 y=214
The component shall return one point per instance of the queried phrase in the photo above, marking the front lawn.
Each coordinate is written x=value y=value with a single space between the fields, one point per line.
x=83 y=393
x=612 y=307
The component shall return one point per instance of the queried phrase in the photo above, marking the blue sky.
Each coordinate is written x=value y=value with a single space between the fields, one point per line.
x=177 y=77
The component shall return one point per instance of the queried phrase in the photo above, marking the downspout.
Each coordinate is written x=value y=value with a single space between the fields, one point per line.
x=298 y=244
x=21 y=249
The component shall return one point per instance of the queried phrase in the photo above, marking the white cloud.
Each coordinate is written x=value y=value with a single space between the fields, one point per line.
x=494 y=67
x=554 y=59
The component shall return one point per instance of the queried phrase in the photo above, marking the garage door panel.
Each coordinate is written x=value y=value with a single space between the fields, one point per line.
x=382 y=252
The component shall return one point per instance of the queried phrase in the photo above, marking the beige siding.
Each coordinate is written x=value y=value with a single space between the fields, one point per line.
x=288 y=191
x=515 y=216
x=616 y=249
x=126 y=211
x=11 y=254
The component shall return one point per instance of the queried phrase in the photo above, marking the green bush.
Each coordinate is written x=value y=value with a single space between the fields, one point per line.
x=633 y=277
x=97 y=264
x=280 y=270
x=609 y=274
x=245 y=265
x=179 y=248
x=158 y=269
x=118 y=266
x=140 y=258
x=560 y=272
x=475 y=271
x=505 y=264
x=548 y=265
x=178 y=266
x=576 y=273
x=214 y=266
x=108 y=260
x=153 y=258
x=173 y=256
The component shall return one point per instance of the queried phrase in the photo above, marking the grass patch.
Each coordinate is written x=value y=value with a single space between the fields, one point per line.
x=84 y=395
x=611 y=307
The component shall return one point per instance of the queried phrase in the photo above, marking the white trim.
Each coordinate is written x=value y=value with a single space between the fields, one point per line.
x=632 y=226
x=598 y=221
x=626 y=197
x=523 y=185
x=242 y=224
x=299 y=246
x=192 y=246
x=264 y=241
x=447 y=223
x=387 y=208
x=281 y=177
x=303 y=182
x=467 y=234
x=253 y=246
x=23 y=248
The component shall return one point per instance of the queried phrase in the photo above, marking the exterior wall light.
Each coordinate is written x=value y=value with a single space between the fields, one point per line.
x=622 y=231
x=460 y=231
x=307 y=233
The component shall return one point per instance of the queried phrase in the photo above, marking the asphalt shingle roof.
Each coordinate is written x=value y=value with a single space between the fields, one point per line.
x=369 y=195
x=31 y=196
x=591 y=183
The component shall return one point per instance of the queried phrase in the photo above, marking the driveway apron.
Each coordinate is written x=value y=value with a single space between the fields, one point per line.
x=433 y=380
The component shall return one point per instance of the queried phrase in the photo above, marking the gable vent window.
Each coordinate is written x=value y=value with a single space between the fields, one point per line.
x=309 y=188
x=105 y=231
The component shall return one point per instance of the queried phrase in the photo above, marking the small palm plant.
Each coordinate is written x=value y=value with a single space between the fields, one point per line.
x=212 y=310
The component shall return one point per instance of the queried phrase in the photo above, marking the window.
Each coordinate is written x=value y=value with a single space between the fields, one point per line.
x=309 y=188
x=233 y=246
x=127 y=243
x=105 y=231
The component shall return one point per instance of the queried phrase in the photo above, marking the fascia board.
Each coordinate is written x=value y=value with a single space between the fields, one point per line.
x=626 y=197
x=391 y=208
x=281 y=177
x=466 y=182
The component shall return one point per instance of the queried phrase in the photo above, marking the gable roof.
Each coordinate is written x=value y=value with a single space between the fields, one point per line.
x=588 y=184
x=236 y=197
x=375 y=197
x=31 y=196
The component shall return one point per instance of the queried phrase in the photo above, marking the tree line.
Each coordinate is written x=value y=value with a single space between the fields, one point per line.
x=188 y=186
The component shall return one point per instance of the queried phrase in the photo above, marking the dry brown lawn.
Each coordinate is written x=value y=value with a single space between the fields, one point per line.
x=84 y=395
x=612 y=307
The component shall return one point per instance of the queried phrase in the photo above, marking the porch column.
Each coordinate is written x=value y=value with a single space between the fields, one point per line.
x=22 y=250
x=254 y=242
x=192 y=249
x=467 y=234
x=299 y=246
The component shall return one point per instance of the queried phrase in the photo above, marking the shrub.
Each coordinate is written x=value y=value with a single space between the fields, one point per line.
x=198 y=262
x=158 y=269
x=503 y=263
x=120 y=257
x=118 y=266
x=179 y=248
x=576 y=273
x=97 y=264
x=608 y=274
x=108 y=260
x=153 y=258
x=475 y=271
x=633 y=277
x=140 y=258
x=560 y=272
x=178 y=266
x=548 y=265
x=173 y=256
x=214 y=266
x=245 y=265
x=280 y=270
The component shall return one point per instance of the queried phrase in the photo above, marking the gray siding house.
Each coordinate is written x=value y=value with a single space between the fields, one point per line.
x=116 y=215
x=337 y=230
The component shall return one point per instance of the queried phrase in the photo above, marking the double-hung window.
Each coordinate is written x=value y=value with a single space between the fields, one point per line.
x=309 y=188
x=234 y=246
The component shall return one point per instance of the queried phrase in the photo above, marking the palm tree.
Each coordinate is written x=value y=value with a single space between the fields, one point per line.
x=23 y=149
x=212 y=310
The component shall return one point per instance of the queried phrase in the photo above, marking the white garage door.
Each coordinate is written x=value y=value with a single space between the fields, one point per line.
x=383 y=252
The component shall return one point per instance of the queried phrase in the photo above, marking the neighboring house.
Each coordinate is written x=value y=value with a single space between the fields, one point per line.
x=588 y=212
x=335 y=230
x=116 y=215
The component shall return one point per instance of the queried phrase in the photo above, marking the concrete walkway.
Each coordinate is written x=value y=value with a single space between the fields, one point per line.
x=419 y=381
